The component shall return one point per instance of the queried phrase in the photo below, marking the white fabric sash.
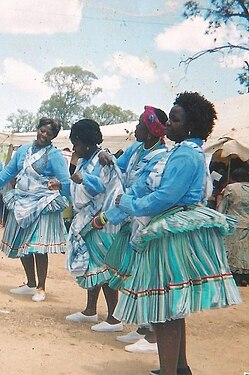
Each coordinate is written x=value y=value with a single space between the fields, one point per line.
x=86 y=207
x=154 y=180
x=135 y=166
x=31 y=194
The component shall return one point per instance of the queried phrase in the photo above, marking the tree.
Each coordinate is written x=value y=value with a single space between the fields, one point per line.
x=73 y=88
x=243 y=77
x=219 y=12
x=107 y=114
x=22 y=121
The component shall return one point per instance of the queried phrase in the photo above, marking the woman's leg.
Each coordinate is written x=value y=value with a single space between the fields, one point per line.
x=168 y=336
x=41 y=269
x=29 y=268
x=182 y=360
x=111 y=297
x=92 y=299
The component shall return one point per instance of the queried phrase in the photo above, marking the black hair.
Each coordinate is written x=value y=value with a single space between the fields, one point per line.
x=55 y=124
x=200 y=113
x=161 y=115
x=240 y=175
x=86 y=131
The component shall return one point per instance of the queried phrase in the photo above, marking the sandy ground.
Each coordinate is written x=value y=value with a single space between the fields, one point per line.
x=36 y=338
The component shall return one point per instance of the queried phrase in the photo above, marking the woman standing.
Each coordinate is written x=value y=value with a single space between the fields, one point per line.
x=34 y=224
x=88 y=247
x=149 y=145
x=180 y=264
x=235 y=201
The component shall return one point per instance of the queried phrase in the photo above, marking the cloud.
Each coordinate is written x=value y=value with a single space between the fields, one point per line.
x=172 y=5
x=24 y=78
x=109 y=85
x=131 y=66
x=166 y=77
x=190 y=36
x=187 y=36
x=40 y=16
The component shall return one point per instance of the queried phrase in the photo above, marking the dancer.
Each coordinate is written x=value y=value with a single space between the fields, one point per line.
x=180 y=263
x=150 y=144
x=34 y=224
x=87 y=246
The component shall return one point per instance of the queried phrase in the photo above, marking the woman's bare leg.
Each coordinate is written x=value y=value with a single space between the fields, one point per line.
x=182 y=360
x=92 y=299
x=111 y=297
x=168 y=336
x=41 y=269
x=29 y=268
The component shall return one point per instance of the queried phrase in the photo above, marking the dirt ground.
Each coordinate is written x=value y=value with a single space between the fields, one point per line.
x=36 y=339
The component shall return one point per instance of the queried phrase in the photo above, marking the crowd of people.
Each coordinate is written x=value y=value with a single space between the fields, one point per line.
x=141 y=229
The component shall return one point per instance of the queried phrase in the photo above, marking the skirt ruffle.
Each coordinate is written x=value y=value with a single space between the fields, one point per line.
x=179 y=272
x=46 y=235
x=184 y=219
x=98 y=243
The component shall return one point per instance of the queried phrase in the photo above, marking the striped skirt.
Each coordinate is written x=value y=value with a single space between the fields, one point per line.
x=179 y=267
x=47 y=234
x=98 y=243
x=120 y=257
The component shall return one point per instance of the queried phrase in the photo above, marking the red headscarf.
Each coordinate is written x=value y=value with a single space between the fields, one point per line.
x=153 y=124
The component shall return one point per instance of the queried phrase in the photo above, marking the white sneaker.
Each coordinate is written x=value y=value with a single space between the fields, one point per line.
x=39 y=296
x=80 y=317
x=142 y=346
x=107 y=327
x=131 y=337
x=23 y=289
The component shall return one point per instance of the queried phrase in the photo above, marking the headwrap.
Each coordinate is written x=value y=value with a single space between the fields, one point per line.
x=153 y=124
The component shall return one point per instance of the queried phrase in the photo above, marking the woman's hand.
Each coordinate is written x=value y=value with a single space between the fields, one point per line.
x=54 y=184
x=105 y=158
x=77 y=178
x=118 y=199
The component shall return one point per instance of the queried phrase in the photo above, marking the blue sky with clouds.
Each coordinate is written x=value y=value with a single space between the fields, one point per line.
x=133 y=46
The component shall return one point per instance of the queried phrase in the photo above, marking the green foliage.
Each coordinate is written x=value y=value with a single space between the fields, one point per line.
x=73 y=88
x=107 y=114
x=218 y=11
x=243 y=78
x=22 y=121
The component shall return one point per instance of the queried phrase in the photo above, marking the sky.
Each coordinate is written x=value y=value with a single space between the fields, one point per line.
x=134 y=47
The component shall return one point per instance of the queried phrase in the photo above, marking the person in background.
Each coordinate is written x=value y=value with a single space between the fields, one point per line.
x=150 y=144
x=34 y=224
x=179 y=264
x=1 y=200
x=235 y=201
x=87 y=247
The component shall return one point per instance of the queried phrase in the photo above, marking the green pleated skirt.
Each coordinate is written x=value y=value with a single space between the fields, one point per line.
x=98 y=243
x=46 y=235
x=179 y=267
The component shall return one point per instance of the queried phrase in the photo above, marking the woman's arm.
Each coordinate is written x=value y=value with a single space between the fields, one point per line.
x=178 y=175
x=13 y=167
x=60 y=171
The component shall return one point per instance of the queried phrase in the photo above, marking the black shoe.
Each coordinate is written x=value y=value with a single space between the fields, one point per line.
x=180 y=371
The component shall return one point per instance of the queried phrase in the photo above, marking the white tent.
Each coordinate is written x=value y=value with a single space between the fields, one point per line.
x=118 y=136
x=230 y=137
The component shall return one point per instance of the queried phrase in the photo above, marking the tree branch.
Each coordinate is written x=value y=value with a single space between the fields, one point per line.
x=212 y=50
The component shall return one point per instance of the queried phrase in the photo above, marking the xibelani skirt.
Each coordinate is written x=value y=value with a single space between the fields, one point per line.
x=179 y=267
x=98 y=243
x=46 y=234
